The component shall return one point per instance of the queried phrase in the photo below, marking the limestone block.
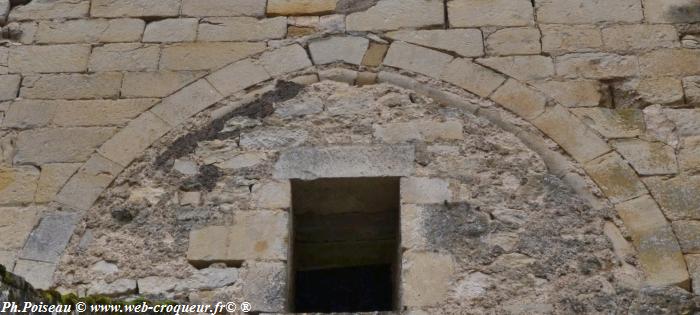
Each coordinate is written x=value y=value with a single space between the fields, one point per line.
x=272 y=195
x=426 y=278
x=124 y=57
x=588 y=11
x=115 y=288
x=375 y=54
x=15 y=226
x=131 y=141
x=334 y=23
x=660 y=90
x=285 y=60
x=71 y=86
x=693 y=262
x=412 y=234
x=90 y=31
x=171 y=30
x=191 y=198
x=60 y=145
x=135 y=8
x=622 y=248
x=691 y=85
x=49 y=239
x=60 y=9
x=678 y=196
x=343 y=49
x=419 y=130
x=671 y=11
x=183 y=104
x=52 y=178
x=465 y=42
x=670 y=62
x=27 y=31
x=265 y=286
x=659 y=252
x=472 y=77
x=241 y=29
x=17 y=185
x=514 y=41
x=272 y=138
x=418 y=59
x=9 y=85
x=688 y=233
x=640 y=37
x=300 y=7
x=615 y=178
x=81 y=190
x=237 y=76
x=8 y=258
x=156 y=84
x=297 y=108
x=38 y=274
x=396 y=14
x=648 y=158
x=4 y=11
x=223 y=7
x=99 y=112
x=345 y=161
x=561 y=39
x=597 y=65
x=205 y=56
x=254 y=235
x=573 y=93
x=689 y=155
x=525 y=68
x=476 y=13
x=611 y=123
x=571 y=134
x=338 y=75
x=50 y=58
x=419 y=190
x=520 y=99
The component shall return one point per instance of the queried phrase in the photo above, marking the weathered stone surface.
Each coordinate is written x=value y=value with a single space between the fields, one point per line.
x=15 y=226
x=60 y=145
x=99 y=112
x=254 y=235
x=334 y=49
x=375 y=54
x=272 y=195
x=395 y=14
x=273 y=138
x=560 y=39
x=241 y=29
x=8 y=258
x=60 y=9
x=237 y=76
x=426 y=278
x=38 y=274
x=4 y=11
x=597 y=65
x=48 y=240
x=223 y=7
x=299 y=108
x=659 y=252
x=52 y=178
x=81 y=190
x=192 y=99
x=678 y=196
x=648 y=158
x=465 y=42
x=421 y=131
x=691 y=85
x=156 y=84
x=345 y=161
x=525 y=68
x=51 y=58
x=568 y=131
x=659 y=90
x=135 y=8
x=204 y=279
x=688 y=233
x=420 y=190
x=472 y=77
x=205 y=56
x=671 y=11
x=130 y=141
x=300 y=7
x=71 y=86
x=615 y=178
x=520 y=99
x=9 y=85
x=171 y=30
x=265 y=286
x=418 y=59
x=116 y=288
x=285 y=59
x=17 y=185
x=670 y=62
x=574 y=93
x=693 y=262
x=338 y=75
x=475 y=13
x=640 y=36
x=124 y=57
x=90 y=31
x=624 y=123
x=689 y=154
x=588 y=11
x=514 y=41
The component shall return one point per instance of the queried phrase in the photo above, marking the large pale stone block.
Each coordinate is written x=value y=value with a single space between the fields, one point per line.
x=237 y=76
x=476 y=13
x=561 y=39
x=678 y=196
x=472 y=77
x=300 y=7
x=520 y=99
x=241 y=29
x=648 y=158
x=15 y=226
x=623 y=123
x=90 y=31
x=640 y=37
x=171 y=30
x=272 y=195
x=418 y=59
x=83 y=188
x=659 y=90
x=514 y=41
x=375 y=54
x=52 y=178
x=344 y=49
x=420 y=190
x=345 y=161
x=182 y=105
x=99 y=112
x=49 y=58
x=689 y=154
x=688 y=233
x=205 y=56
x=9 y=85
x=60 y=145
x=465 y=42
x=571 y=134
x=426 y=278
x=574 y=93
x=659 y=252
x=17 y=185
x=597 y=65
x=156 y=84
x=49 y=239
x=419 y=130
x=38 y=274
x=671 y=11
x=265 y=286
x=59 y=9
x=670 y=62
x=396 y=14
x=285 y=60
x=223 y=7
x=525 y=68
x=588 y=11
x=131 y=141
x=615 y=177
x=135 y=8
x=124 y=57
x=691 y=86
x=71 y=86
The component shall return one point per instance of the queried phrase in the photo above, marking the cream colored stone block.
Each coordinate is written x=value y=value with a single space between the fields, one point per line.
x=99 y=112
x=135 y=8
x=171 y=30
x=52 y=178
x=640 y=37
x=205 y=56
x=472 y=77
x=396 y=14
x=59 y=9
x=688 y=233
x=223 y=7
x=514 y=41
x=131 y=141
x=49 y=58
x=15 y=226
x=615 y=177
x=71 y=86
x=670 y=62
x=156 y=84
x=272 y=195
x=574 y=93
x=60 y=145
x=237 y=76
x=90 y=31
x=465 y=42
x=597 y=66
x=9 y=85
x=418 y=59
x=648 y=158
x=38 y=274
x=560 y=39
x=83 y=188
x=520 y=99
x=419 y=190
x=241 y=29
x=124 y=57
x=693 y=262
x=678 y=196
x=18 y=185
x=525 y=68
x=426 y=278
x=588 y=11
x=476 y=13
x=182 y=105
x=285 y=60
x=689 y=154
x=343 y=49
x=300 y=7
x=622 y=123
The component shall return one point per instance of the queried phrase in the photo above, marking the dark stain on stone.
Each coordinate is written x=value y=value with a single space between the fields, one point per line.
x=684 y=13
x=349 y=6
x=204 y=180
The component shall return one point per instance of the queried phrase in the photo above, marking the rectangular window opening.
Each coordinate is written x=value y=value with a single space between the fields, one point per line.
x=345 y=248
